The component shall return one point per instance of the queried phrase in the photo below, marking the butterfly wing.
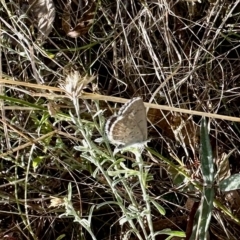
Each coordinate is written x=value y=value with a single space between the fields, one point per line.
x=137 y=111
x=130 y=125
x=130 y=106
x=124 y=131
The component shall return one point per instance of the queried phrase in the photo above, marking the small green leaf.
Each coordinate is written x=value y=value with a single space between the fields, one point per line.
x=231 y=183
x=159 y=207
x=61 y=237
x=207 y=165
x=36 y=161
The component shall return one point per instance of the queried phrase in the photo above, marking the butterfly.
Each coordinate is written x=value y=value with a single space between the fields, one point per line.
x=129 y=125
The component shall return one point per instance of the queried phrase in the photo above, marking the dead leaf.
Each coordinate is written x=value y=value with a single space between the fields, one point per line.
x=52 y=108
x=44 y=13
x=175 y=126
x=66 y=17
x=85 y=22
x=56 y=202
x=223 y=167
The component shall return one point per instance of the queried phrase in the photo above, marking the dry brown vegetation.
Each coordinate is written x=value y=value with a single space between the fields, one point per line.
x=57 y=174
